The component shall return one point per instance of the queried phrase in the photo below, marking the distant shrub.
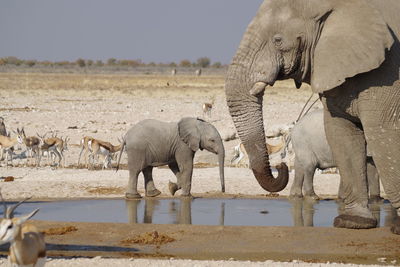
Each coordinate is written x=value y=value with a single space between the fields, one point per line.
x=203 y=62
x=111 y=61
x=62 y=63
x=30 y=63
x=99 y=63
x=152 y=64
x=129 y=62
x=80 y=62
x=172 y=64
x=89 y=62
x=46 y=63
x=12 y=61
x=217 y=65
x=185 y=63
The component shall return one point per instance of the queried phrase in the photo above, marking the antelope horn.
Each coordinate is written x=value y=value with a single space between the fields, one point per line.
x=10 y=211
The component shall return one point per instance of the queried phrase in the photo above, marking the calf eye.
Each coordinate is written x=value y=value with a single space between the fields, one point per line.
x=277 y=39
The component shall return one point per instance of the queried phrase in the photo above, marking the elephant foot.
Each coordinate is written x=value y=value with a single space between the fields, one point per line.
x=173 y=187
x=132 y=196
x=355 y=222
x=375 y=199
x=153 y=193
x=186 y=195
x=295 y=196
x=312 y=196
x=395 y=229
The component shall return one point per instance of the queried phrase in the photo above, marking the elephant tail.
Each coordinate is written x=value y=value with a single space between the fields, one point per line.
x=120 y=153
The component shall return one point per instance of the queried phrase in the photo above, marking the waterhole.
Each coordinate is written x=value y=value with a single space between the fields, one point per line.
x=199 y=211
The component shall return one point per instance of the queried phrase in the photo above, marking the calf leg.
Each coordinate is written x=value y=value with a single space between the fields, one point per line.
x=296 y=189
x=173 y=187
x=151 y=190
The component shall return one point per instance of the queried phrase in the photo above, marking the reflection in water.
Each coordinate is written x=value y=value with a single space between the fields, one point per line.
x=303 y=212
x=245 y=212
x=181 y=214
x=200 y=211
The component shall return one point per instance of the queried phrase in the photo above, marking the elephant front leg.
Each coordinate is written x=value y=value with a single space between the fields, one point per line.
x=296 y=191
x=185 y=176
x=173 y=187
x=309 y=192
x=348 y=147
x=151 y=190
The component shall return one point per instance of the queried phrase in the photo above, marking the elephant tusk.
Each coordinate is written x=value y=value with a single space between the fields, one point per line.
x=258 y=88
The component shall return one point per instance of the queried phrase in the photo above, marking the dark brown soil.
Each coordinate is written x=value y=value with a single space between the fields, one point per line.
x=310 y=244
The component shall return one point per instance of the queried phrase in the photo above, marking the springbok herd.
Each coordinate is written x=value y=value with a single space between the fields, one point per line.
x=53 y=147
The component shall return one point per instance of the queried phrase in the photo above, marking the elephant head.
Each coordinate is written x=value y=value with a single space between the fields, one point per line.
x=199 y=134
x=319 y=42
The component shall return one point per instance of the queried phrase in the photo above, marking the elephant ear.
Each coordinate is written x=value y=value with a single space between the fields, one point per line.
x=189 y=132
x=353 y=40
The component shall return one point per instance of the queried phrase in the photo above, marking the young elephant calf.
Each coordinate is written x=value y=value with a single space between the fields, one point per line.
x=152 y=143
x=312 y=151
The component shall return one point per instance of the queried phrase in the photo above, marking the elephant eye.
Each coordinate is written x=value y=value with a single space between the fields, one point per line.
x=277 y=40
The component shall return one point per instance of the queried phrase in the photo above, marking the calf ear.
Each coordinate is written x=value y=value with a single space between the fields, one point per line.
x=189 y=132
x=354 y=39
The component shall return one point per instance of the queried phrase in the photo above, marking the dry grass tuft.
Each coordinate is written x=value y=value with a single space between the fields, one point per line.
x=149 y=238
x=60 y=230
x=105 y=190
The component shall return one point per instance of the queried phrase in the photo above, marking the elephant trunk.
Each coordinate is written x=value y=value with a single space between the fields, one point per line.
x=221 y=161
x=246 y=111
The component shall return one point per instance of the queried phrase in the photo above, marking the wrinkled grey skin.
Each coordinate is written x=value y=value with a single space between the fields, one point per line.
x=349 y=52
x=152 y=143
x=312 y=151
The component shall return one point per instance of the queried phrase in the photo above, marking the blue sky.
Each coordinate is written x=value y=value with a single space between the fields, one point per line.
x=150 y=30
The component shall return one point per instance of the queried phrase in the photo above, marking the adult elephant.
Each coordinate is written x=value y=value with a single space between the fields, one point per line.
x=349 y=52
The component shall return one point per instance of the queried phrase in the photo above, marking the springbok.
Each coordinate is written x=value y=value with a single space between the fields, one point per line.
x=84 y=146
x=98 y=147
x=198 y=72
x=53 y=145
x=3 y=130
x=240 y=152
x=32 y=144
x=7 y=145
x=207 y=107
x=28 y=247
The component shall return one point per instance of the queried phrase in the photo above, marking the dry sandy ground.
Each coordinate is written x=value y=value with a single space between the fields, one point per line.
x=105 y=107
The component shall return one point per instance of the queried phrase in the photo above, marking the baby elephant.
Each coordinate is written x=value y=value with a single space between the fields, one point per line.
x=152 y=143
x=312 y=151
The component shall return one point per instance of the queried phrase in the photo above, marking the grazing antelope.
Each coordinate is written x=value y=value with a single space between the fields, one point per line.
x=7 y=145
x=207 y=107
x=3 y=130
x=32 y=144
x=98 y=147
x=198 y=72
x=84 y=146
x=240 y=152
x=52 y=145
x=28 y=247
